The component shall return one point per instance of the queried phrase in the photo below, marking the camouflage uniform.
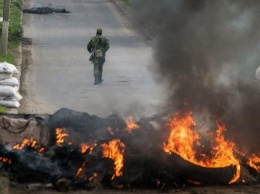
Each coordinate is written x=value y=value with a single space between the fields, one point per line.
x=102 y=44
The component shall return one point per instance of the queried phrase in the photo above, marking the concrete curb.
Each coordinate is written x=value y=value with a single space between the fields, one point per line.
x=121 y=5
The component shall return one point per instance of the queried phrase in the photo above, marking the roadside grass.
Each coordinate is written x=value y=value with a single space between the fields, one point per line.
x=3 y=109
x=128 y=2
x=14 y=34
x=15 y=26
x=8 y=58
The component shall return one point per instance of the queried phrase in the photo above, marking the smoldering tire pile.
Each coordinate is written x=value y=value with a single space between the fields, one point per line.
x=80 y=155
x=9 y=86
x=44 y=10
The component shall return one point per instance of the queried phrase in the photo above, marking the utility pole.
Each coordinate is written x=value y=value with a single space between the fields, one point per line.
x=5 y=27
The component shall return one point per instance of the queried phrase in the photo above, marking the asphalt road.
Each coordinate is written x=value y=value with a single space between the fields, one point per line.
x=60 y=74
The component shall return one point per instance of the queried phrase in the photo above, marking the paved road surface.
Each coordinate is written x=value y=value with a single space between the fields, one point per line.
x=60 y=74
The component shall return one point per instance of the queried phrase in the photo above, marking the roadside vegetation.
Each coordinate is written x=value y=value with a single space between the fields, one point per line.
x=15 y=27
x=8 y=58
x=14 y=34
x=3 y=109
x=128 y=2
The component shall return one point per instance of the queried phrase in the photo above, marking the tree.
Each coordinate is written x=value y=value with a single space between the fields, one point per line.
x=5 y=27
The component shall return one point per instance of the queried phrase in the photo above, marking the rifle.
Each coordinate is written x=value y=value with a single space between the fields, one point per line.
x=94 y=50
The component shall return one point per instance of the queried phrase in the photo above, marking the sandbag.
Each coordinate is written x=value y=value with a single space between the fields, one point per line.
x=10 y=104
x=8 y=90
x=2 y=97
x=4 y=76
x=16 y=97
x=8 y=68
x=13 y=81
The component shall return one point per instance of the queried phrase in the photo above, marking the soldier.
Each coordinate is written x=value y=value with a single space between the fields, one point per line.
x=98 y=45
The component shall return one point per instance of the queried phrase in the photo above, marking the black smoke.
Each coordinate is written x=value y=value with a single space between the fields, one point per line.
x=207 y=53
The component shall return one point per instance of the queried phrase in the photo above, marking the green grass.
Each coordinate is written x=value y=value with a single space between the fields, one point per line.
x=14 y=34
x=8 y=58
x=3 y=109
x=15 y=26
x=129 y=2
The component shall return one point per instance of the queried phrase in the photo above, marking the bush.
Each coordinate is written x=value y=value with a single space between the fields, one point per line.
x=15 y=26
x=8 y=58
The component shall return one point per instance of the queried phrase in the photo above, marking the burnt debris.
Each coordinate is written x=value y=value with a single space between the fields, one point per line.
x=44 y=10
x=84 y=152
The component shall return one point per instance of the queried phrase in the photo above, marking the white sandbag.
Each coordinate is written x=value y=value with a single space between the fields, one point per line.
x=9 y=104
x=2 y=97
x=8 y=68
x=8 y=90
x=257 y=73
x=13 y=81
x=16 y=98
x=4 y=76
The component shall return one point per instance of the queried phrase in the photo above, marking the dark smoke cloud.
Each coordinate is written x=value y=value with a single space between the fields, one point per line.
x=207 y=52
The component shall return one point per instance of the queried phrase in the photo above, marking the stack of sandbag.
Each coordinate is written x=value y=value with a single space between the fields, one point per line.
x=9 y=86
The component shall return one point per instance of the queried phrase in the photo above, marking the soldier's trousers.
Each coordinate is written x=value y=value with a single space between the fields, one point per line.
x=98 y=66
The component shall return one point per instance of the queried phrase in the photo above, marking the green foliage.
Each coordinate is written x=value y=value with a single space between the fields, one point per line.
x=129 y=2
x=15 y=27
x=3 y=109
x=8 y=58
x=17 y=3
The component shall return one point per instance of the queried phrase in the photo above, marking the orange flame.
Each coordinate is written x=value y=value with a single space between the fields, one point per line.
x=114 y=150
x=254 y=162
x=130 y=124
x=84 y=147
x=26 y=142
x=5 y=160
x=223 y=152
x=60 y=136
x=194 y=182
x=93 y=176
x=183 y=138
x=81 y=168
x=41 y=150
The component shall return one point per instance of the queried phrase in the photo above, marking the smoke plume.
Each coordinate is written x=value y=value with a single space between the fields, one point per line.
x=207 y=53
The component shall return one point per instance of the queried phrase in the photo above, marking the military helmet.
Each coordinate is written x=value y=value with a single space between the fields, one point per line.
x=99 y=31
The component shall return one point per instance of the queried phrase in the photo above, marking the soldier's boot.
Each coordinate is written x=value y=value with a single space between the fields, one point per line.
x=100 y=78
x=96 y=80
